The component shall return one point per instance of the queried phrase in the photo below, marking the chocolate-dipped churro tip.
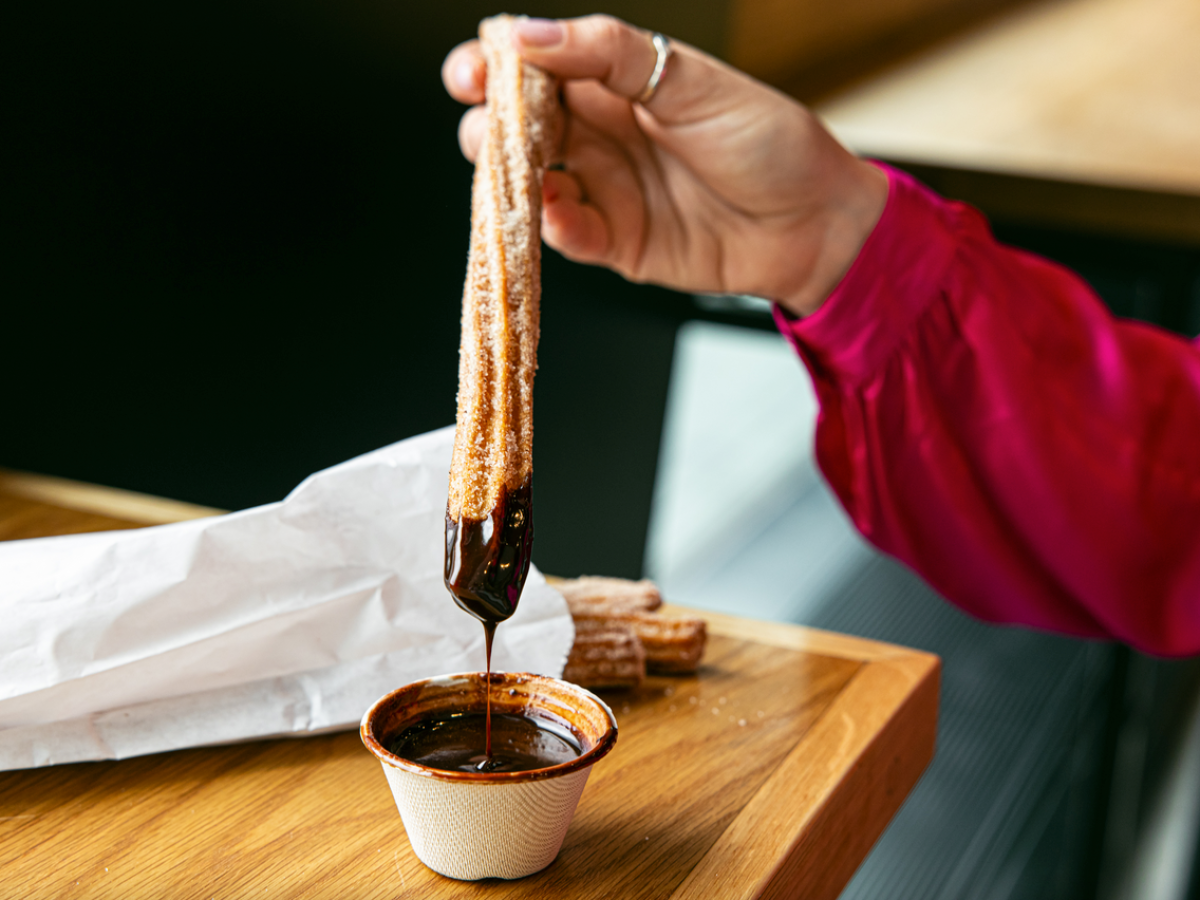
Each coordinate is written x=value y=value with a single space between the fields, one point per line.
x=500 y=314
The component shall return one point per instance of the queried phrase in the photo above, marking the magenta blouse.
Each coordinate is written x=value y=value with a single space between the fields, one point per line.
x=988 y=422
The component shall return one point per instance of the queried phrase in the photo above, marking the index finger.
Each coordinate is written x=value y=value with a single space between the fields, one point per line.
x=622 y=58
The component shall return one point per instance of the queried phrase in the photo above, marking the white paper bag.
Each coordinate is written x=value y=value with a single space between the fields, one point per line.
x=288 y=618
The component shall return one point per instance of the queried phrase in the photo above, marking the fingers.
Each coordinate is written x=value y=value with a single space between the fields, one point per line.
x=618 y=55
x=694 y=85
x=622 y=58
x=601 y=47
x=570 y=225
x=471 y=130
x=594 y=212
x=559 y=186
x=464 y=73
x=600 y=109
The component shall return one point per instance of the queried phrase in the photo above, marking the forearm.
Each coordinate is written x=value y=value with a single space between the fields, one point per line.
x=985 y=420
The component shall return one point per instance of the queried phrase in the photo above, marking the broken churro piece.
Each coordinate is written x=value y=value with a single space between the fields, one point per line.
x=598 y=596
x=672 y=645
x=605 y=656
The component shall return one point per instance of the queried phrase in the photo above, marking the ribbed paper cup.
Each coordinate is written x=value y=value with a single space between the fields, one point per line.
x=472 y=825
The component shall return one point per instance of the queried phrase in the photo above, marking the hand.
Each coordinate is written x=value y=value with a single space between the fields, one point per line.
x=718 y=184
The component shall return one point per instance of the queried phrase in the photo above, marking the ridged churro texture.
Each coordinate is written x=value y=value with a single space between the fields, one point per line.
x=605 y=656
x=603 y=609
x=498 y=353
x=599 y=596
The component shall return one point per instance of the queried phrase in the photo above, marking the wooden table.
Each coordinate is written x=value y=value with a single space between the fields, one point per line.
x=769 y=774
x=1075 y=113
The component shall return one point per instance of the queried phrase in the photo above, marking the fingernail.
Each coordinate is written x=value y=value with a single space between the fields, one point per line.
x=538 y=32
x=464 y=75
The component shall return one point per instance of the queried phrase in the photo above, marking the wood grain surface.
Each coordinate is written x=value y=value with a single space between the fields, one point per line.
x=127 y=507
x=1102 y=93
x=769 y=773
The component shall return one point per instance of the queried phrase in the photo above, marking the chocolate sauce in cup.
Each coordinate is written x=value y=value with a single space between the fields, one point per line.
x=458 y=743
x=461 y=822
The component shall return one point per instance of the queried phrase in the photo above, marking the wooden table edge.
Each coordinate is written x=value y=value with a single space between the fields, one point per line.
x=782 y=845
x=130 y=506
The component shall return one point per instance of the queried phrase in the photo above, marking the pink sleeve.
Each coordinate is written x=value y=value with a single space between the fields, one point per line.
x=987 y=421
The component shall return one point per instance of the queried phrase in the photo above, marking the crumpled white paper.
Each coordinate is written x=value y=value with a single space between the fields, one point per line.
x=287 y=618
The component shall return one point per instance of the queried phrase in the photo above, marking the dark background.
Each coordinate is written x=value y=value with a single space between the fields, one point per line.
x=234 y=238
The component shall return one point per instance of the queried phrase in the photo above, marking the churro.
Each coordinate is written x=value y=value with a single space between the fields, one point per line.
x=595 y=595
x=489 y=513
x=672 y=644
x=500 y=313
x=605 y=655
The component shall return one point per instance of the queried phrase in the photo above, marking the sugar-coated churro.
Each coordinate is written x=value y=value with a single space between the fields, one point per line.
x=489 y=512
x=500 y=315
x=672 y=644
x=595 y=595
x=605 y=656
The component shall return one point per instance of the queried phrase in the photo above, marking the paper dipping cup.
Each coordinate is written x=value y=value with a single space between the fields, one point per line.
x=471 y=825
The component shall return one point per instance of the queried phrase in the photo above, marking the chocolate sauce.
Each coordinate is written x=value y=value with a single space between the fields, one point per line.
x=487 y=560
x=455 y=744
x=486 y=564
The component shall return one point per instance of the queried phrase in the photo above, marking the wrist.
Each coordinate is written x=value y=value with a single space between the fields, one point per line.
x=852 y=208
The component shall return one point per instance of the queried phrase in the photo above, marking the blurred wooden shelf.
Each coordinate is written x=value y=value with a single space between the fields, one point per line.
x=1076 y=113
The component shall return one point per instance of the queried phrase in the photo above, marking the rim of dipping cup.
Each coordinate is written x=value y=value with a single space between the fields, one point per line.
x=563 y=705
